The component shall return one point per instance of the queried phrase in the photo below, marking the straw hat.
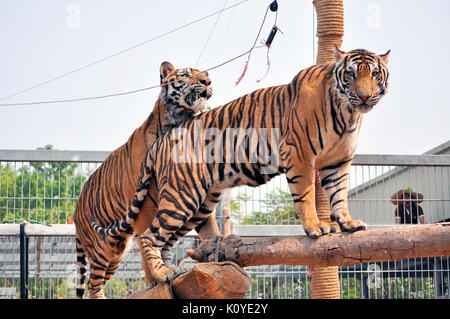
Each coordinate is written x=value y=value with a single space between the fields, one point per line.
x=397 y=198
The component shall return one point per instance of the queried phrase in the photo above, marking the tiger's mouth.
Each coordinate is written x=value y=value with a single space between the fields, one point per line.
x=197 y=97
x=367 y=105
x=364 y=107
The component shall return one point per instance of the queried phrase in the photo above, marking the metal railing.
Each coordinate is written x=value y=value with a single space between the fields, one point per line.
x=43 y=186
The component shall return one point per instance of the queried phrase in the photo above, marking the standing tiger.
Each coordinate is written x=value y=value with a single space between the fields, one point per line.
x=109 y=189
x=312 y=124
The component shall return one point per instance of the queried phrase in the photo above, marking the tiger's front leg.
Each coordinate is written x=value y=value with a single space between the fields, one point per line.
x=334 y=181
x=152 y=254
x=301 y=184
x=203 y=221
x=168 y=220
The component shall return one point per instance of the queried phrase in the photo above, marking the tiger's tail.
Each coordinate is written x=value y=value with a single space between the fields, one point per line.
x=126 y=224
x=82 y=268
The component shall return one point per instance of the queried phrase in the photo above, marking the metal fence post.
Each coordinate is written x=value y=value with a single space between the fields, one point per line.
x=223 y=213
x=24 y=242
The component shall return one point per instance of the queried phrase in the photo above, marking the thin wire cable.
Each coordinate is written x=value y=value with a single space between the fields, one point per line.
x=126 y=92
x=210 y=34
x=120 y=52
x=83 y=98
x=248 y=52
x=235 y=58
x=253 y=47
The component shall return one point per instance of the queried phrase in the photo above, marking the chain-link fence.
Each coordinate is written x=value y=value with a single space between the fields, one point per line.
x=43 y=187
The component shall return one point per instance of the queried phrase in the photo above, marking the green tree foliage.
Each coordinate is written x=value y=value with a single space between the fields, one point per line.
x=39 y=191
x=277 y=209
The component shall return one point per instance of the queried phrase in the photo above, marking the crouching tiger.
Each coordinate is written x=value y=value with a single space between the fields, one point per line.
x=312 y=124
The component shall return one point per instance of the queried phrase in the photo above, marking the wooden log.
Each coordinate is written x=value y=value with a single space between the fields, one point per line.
x=161 y=291
x=339 y=249
x=214 y=280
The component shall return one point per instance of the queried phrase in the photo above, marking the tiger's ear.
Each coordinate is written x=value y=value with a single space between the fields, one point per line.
x=338 y=54
x=385 y=57
x=165 y=69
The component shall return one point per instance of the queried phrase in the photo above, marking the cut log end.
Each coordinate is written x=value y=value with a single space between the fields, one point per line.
x=214 y=280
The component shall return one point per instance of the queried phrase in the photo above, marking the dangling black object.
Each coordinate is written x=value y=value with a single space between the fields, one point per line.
x=274 y=6
x=271 y=36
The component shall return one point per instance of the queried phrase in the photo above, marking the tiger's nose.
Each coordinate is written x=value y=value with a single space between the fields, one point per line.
x=205 y=81
x=364 y=97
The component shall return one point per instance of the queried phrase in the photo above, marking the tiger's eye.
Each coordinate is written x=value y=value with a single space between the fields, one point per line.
x=375 y=74
x=351 y=73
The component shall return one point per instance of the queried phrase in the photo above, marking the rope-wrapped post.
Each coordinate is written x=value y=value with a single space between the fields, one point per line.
x=325 y=280
x=330 y=30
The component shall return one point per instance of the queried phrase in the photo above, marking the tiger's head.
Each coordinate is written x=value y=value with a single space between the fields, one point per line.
x=184 y=89
x=361 y=77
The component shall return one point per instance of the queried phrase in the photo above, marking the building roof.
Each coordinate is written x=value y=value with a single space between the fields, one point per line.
x=442 y=149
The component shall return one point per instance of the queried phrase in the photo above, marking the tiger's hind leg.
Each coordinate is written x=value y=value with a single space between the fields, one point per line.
x=98 y=265
x=111 y=270
x=148 y=275
x=104 y=262
x=96 y=282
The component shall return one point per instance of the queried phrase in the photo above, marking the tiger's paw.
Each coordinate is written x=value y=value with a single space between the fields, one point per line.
x=164 y=274
x=321 y=228
x=351 y=225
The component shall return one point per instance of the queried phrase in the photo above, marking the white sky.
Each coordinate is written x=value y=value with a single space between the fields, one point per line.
x=42 y=39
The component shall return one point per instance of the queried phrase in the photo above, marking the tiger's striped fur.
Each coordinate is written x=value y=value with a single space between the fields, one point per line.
x=107 y=192
x=316 y=120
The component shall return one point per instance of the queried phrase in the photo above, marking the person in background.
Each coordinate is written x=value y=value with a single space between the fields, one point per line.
x=408 y=210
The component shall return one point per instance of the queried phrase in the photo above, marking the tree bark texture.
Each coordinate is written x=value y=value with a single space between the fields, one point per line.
x=214 y=280
x=338 y=249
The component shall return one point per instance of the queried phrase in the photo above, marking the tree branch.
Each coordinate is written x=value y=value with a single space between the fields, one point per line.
x=339 y=249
